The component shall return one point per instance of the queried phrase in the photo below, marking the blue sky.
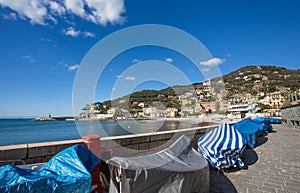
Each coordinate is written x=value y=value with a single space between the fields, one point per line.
x=43 y=43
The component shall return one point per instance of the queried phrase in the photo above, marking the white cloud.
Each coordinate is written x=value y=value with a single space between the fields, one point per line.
x=119 y=76
x=205 y=69
x=57 y=8
x=30 y=59
x=34 y=10
x=45 y=40
x=10 y=16
x=212 y=62
x=50 y=17
x=131 y=78
x=76 y=7
x=136 y=60
x=106 y=11
x=170 y=60
x=71 y=31
x=40 y=11
x=72 y=67
x=88 y=34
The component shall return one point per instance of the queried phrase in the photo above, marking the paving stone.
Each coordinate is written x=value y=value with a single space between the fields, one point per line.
x=267 y=189
x=279 y=177
x=295 y=181
x=276 y=181
x=256 y=182
x=272 y=185
x=292 y=184
x=254 y=191
x=291 y=188
x=285 y=191
x=257 y=177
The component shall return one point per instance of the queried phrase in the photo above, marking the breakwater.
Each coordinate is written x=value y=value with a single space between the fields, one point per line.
x=127 y=145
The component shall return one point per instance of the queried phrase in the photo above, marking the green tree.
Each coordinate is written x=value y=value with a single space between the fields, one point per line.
x=263 y=106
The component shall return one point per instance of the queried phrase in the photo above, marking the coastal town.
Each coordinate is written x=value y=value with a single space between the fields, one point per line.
x=228 y=96
x=115 y=96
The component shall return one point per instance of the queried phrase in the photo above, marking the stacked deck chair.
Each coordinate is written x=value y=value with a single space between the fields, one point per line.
x=222 y=147
x=178 y=168
x=274 y=120
x=249 y=129
x=266 y=122
x=68 y=171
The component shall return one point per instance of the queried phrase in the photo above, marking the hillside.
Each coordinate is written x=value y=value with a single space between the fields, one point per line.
x=249 y=79
x=254 y=79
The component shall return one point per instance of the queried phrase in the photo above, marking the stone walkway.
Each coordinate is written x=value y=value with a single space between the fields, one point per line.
x=273 y=166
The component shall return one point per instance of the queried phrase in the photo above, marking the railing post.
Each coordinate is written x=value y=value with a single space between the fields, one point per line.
x=93 y=143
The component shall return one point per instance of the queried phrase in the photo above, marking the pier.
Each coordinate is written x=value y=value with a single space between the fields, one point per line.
x=273 y=166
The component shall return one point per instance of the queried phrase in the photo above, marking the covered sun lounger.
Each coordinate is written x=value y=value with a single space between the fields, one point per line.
x=249 y=129
x=266 y=122
x=179 y=168
x=274 y=120
x=222 y=147
x=68 y=171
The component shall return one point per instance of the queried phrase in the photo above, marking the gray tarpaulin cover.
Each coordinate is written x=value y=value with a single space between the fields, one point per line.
x=179 y=168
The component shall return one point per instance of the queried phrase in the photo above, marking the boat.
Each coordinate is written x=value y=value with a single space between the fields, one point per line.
x=244 y=109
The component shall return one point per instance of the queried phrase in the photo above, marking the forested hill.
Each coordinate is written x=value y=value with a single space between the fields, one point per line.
x=249 y=79
x=253 y=79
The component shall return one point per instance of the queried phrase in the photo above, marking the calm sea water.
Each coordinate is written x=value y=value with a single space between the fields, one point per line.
x=20 y=131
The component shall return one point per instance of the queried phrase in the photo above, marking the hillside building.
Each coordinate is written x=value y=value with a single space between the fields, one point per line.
x=276 y=100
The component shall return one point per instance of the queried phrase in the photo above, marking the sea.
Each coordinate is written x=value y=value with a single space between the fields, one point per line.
x=23 y=131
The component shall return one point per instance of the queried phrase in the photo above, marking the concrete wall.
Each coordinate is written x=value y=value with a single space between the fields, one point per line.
x=128 y=145
x=141 y=144
x=34 y=152
x=291 y=116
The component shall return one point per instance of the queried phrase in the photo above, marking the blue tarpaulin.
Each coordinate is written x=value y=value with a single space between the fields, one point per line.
x=68 y=171
x=249 y=129
x=266 y=122
x=222 y=147
x=274 y=120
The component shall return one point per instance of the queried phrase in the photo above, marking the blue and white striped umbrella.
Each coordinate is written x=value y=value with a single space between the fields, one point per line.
x=222 y=147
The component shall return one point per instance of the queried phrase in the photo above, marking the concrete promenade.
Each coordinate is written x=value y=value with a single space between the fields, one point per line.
x=273 y=166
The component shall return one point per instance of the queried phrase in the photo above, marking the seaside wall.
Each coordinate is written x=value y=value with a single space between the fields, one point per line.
x=128 y=145
x=291 y=116
x=33 y=153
